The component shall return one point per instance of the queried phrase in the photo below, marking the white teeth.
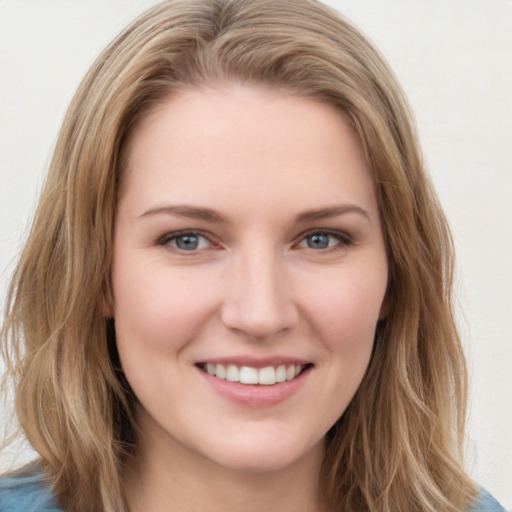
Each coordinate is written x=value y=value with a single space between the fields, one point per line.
x=220 y=371
x=281 y=373
x=232 y=373
x=248 y=375
x=267 y=376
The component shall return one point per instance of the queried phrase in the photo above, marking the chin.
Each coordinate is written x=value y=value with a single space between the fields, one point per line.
x=263 y=456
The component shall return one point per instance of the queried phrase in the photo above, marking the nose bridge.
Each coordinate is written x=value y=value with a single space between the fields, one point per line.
x=259 y=299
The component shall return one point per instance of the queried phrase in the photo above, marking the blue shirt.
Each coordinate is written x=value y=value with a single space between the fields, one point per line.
x=28 y=493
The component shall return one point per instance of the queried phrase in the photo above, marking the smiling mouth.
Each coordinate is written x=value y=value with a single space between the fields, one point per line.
x=267 y=376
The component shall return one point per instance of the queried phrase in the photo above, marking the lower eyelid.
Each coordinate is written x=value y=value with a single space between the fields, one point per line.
x=341 y=238
x=166 y=240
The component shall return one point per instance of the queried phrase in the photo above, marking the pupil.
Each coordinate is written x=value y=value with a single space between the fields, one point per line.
x=187 y=242
x=318 y=241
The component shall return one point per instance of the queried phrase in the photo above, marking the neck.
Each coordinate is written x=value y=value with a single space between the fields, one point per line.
x=172 y=478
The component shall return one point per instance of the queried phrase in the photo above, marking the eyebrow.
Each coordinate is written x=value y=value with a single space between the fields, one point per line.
x=209 y=215
x=190 y=212
x=332 y=211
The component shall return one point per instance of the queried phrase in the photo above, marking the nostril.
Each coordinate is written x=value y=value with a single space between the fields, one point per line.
x=258 y=323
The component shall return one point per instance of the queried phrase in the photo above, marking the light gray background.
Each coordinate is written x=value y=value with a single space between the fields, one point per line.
x=454 y=59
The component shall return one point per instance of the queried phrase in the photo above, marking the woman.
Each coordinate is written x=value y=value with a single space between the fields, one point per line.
x=236 y=291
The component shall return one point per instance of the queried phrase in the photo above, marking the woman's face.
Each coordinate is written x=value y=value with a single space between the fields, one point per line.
x=249 y=272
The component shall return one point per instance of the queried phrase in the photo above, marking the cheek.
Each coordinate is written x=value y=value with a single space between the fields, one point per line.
x=156 y=308
x=346 y=309
x=157 y=314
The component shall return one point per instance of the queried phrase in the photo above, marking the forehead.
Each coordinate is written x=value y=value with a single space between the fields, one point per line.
x=233 y=140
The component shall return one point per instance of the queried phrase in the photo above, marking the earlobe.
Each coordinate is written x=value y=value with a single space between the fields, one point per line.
x=107 y=306
x=107 y=309
x=384 y=308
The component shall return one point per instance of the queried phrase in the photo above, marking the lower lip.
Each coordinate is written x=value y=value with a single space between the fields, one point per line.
x=254 y=395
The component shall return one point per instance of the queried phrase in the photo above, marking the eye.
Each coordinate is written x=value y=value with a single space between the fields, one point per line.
x=185 y=241
x=321 y=240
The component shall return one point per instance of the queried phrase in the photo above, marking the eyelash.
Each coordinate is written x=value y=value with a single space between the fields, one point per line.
x=170 y=237
x=343 y=240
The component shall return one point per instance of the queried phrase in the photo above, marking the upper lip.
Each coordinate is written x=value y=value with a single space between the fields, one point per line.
x=255 y=362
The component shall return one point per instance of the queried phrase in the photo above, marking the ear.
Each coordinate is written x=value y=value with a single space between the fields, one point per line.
x=107 y=305
x=385 y=307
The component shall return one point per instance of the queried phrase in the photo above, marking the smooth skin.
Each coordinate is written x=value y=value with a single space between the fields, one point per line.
x=247 y=228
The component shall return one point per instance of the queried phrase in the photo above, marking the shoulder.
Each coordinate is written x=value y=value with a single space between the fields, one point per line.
x=26 y=491
x=485 y=503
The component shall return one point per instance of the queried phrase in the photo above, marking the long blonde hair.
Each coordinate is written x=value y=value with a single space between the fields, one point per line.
x=397 y=448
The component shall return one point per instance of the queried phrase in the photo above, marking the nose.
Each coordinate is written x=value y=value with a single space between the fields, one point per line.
x=259 y=300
